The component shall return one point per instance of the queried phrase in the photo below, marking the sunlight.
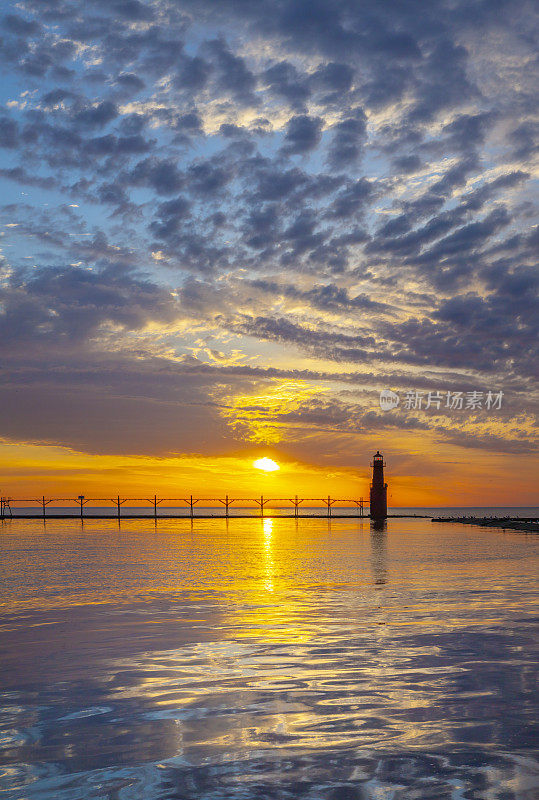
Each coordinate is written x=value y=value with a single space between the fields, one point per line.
x=267 y=527
x=267 y=464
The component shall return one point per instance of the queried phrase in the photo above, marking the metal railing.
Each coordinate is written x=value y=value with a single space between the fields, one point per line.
x=191 y=502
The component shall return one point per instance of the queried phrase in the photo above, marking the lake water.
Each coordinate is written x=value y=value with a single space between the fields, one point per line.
x=273 y=658
x=273 y=509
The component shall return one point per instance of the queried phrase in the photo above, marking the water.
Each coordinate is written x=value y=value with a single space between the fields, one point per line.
x=267 y=659
x=273 y=509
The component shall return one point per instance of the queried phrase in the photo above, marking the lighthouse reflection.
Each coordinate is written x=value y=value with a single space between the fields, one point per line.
x=379 y=551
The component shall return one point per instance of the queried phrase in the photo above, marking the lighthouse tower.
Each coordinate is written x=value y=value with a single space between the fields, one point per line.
x=378 y=500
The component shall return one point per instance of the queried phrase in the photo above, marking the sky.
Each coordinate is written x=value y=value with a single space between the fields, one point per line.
x=227 y=226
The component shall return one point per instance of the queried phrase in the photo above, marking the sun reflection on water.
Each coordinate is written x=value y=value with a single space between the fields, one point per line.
x=267 y=531
x=351 y=652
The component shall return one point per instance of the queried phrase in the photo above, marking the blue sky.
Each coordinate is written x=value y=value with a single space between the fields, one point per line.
x=202 y=202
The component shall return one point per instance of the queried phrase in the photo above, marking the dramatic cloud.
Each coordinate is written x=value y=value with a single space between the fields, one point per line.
x=203 y=202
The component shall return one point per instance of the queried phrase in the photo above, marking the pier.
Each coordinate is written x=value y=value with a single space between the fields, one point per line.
x=11 y=508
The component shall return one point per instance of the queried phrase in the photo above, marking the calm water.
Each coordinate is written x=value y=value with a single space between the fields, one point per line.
x=274 y=509
x=267 y=659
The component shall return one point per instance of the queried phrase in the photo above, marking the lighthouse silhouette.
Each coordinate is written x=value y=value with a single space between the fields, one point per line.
x=378 y=499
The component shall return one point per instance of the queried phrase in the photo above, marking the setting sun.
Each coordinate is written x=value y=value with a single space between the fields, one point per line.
x=267 y=464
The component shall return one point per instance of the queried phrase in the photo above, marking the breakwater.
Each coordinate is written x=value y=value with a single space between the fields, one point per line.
x=529 y=524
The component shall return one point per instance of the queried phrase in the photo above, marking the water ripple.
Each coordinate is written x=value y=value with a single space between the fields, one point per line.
x=258 y=661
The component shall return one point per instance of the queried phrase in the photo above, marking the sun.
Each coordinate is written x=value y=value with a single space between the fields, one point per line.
x=267 y=464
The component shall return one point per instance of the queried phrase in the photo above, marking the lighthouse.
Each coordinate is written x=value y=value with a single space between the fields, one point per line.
x=378 y=499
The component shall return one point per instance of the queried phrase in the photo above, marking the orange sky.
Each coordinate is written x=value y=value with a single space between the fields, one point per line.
x=415 y=477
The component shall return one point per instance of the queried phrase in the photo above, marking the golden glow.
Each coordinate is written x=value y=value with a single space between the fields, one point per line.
x=267 y=525
x=262 y=417
x=266 y=464
x=415 y=473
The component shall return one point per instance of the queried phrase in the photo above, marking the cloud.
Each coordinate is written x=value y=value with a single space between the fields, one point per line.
x=192 y=73
x=233 y=75
x=341 y=184
x=353 y=199
x=131 y=83
x=98 y=115
x=162 y=175
x=20 y=26
x=286 y=82
x=8 y=132
x=334 y=76
x=70 y=304
x=171 y=215
x=349 y=136
x=303 y=134
x=524 y=139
